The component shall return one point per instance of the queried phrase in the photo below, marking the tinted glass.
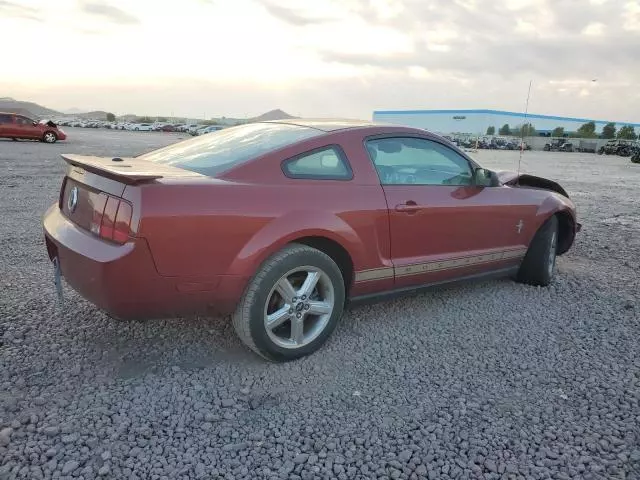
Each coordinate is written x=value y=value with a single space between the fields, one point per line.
x=24 y=121
x=327 y=163
x=5 y=118
x=218 y=151
x=406 y=161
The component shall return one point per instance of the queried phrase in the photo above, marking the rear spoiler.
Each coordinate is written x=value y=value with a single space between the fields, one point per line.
x=128 y=170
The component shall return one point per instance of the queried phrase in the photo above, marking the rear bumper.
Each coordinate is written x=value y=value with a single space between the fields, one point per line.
x=123 y=281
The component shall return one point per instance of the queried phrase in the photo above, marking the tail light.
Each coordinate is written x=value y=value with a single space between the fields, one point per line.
x=112 y=219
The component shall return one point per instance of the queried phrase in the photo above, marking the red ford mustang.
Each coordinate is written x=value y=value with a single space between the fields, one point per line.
x=16 y=126
x=279 y=223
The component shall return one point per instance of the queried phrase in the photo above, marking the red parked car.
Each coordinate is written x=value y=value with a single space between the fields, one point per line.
x=279 y=223
x=16 y=126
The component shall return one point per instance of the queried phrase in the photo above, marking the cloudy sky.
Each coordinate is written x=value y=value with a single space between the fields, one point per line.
x=339 y=58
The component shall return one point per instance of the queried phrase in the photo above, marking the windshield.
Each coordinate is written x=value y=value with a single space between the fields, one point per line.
x=218 y=151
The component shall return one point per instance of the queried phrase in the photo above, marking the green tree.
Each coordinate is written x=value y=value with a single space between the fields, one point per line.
x=527 y=130
x=111 y=117
x=588 y=130
x=609 y=130
x=627 y=133
x=505 y=130
x=491 y=130
x=558 y=132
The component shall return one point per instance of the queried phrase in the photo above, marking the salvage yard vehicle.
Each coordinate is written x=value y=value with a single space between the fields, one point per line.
x=16 y=127
x=558 y=145
x=280 y=223
x=616 y=147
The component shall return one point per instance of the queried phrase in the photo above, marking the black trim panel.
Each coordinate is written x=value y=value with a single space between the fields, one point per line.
x=405 y=291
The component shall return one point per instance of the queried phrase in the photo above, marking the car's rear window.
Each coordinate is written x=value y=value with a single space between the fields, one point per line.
x=216 y=152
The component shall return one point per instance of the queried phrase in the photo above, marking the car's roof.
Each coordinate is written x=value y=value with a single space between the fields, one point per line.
x=329 y=125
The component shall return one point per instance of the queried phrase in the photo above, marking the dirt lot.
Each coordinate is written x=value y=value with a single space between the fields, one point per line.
x=487 y=380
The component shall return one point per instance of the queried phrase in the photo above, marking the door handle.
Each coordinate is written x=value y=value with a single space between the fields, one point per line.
x=409 y=207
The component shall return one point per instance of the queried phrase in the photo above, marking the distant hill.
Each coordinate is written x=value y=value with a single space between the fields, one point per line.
x=273 y=115
x=31 y=109
x=25 y=108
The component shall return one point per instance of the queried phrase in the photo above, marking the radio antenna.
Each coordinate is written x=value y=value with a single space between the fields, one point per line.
x=524 y=125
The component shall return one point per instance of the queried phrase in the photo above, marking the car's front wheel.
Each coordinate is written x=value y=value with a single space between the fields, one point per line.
x=49 y=137
x=292 y=304
x=539 y=263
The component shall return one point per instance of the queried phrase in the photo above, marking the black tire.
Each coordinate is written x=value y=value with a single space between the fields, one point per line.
x=250 y=316
x=538 y=265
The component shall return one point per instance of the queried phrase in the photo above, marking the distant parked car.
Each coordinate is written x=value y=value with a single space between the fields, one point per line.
x=167 y=128
x=142 y=127
x=206 y=129
x=20 y=127
x=195 y=128
x=189 y=126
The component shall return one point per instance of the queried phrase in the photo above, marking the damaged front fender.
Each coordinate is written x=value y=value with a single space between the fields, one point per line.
x=48 y=123
x=513 y=179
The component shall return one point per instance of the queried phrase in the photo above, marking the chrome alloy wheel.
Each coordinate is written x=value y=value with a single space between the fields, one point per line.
x=551 y=263
x=50 y=137
x=299 y=307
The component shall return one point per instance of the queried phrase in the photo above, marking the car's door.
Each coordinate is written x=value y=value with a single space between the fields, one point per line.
x=442 y=226
x=6 y=125
x=25 y=128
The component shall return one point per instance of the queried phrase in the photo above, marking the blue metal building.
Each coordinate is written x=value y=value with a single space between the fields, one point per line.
x=476 y=122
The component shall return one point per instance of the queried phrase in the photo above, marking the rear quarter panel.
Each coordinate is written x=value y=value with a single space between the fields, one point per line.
x=229 y=226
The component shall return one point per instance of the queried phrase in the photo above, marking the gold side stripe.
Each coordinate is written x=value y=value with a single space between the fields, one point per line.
x=374 y=274
x=437 y=266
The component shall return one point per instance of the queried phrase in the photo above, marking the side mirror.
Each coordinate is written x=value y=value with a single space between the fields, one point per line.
x=483 y=177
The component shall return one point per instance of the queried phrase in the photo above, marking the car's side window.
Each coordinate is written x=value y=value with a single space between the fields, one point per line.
x=327 y=163
x=4 y=119
x=23 y=121
x=418 y=161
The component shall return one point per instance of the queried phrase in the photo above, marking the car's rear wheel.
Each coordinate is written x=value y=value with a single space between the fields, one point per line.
x=292 y=304
x=49 y=137
x=539 y=263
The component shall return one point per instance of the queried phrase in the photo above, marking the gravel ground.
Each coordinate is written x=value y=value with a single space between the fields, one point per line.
x=487 y=380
